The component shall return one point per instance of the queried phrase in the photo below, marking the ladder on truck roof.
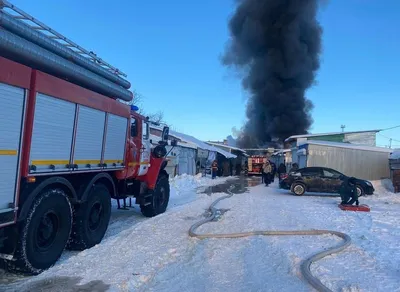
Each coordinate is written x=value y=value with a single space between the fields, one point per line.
x=21 y=15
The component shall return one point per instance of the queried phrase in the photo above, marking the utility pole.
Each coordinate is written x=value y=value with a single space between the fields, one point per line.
x=390 y=143
x=343 y=126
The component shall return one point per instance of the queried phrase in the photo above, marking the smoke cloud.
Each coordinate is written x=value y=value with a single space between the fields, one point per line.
x=275 y=45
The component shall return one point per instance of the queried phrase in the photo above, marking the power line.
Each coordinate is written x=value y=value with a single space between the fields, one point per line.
x=391 y=128
x=388 y=137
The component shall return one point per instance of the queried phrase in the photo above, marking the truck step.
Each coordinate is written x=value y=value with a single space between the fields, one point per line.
x=7 y=257
x=6 y=216
x=144 y=200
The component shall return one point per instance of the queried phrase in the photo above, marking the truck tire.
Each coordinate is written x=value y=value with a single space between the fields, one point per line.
x=44 y=233
x=91 y=219
x=159 y=199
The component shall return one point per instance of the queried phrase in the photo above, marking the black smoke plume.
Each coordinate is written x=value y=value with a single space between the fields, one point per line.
x=275 y=44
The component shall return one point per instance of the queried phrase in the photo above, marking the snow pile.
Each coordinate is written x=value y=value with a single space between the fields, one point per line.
x=384 y=192
x=383 y=187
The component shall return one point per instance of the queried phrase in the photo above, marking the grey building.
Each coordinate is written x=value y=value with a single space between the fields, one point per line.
x=365 y=162
x=367 y=138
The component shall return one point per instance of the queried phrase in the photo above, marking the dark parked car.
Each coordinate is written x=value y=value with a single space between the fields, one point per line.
x=320 y=179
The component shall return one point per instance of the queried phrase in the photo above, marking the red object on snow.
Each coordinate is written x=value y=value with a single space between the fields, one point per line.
x=362 y=208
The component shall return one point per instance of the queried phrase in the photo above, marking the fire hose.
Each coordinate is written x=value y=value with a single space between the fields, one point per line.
x=305 y=266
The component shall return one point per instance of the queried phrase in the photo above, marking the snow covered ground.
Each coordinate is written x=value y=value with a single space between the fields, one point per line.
x=141 y=254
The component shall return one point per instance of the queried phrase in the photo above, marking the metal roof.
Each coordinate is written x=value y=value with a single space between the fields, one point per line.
x=346 y=146
x=198 y=143
x=226 y=146
x=328 y=134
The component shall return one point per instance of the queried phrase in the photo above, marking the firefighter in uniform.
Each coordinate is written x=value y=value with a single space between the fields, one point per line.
x=348 y=192
x=214 y=169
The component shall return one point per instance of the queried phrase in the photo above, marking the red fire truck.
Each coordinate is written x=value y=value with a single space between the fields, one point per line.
x=67 y=146
x=255 y=164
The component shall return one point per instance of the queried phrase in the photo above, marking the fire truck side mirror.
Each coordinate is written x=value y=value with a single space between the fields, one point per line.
x=165 y=134
x=174 y=142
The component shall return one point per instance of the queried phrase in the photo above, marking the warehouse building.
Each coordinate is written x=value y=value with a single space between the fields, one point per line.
x=366 y=138
x=238 y=164
x=191 y=155
x=364 y=162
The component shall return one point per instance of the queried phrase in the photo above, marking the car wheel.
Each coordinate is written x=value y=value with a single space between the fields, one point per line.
x=298 y=189
x=360 y=191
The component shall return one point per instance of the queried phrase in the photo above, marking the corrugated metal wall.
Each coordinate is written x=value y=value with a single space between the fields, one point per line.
x=370 y=165
x=367 y=138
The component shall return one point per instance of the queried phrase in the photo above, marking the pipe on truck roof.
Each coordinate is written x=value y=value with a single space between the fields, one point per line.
x=29 y=54
x=26 y=32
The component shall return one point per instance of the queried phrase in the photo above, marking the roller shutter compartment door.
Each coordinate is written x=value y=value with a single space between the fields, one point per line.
x=89 y=138
x=115 y=142
x=11 y=117
x=52 y=135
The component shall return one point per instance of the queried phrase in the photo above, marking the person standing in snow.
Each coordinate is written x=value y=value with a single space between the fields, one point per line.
x=348 y=192
x=273 y=171
x=267 y=172
x=281 y=170
x=214 y=169
x=295 y=167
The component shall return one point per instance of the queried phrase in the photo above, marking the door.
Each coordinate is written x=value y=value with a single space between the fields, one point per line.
x=145 y=149
x=12 y=101
x=331 y=180
x=312 y=177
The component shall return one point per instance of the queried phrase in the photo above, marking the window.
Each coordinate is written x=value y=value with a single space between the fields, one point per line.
x=133 y=127
x=331 y=173
x=311 y=172
x=145 y=131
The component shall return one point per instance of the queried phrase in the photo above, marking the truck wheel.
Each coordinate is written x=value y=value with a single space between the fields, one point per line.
x=44 y=234
x=159 y=198
x=298 y=189
x=91 y=219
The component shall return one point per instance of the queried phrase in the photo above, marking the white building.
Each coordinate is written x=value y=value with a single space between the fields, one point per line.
x=190 y=156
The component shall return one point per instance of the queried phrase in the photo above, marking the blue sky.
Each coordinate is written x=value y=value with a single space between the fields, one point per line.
x=170 y=51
